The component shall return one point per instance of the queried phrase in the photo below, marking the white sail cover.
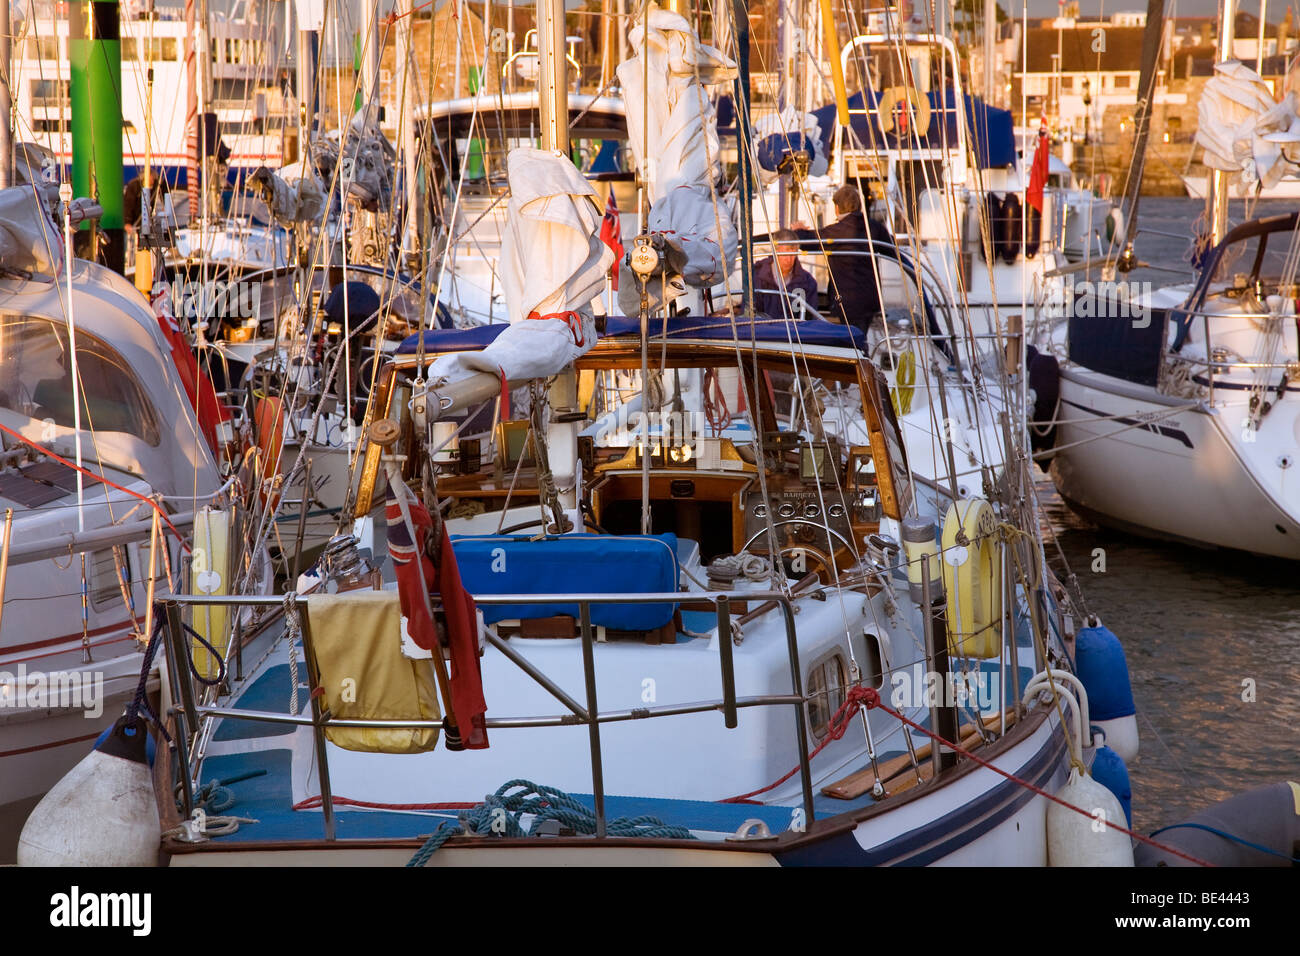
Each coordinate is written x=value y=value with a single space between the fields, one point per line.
x=553 y=264
x=29 y=240
x=1243 y=130
x=673 y=132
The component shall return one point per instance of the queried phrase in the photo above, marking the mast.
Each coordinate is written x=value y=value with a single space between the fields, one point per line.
x=1151 y=43
x=990 y=31
x=789 y=55
x=1259 y=50
x=6 y=105
x=406 y=127
x=1216 y=192
x=740 y=18
x=95 y=61
x=552 y=76
x=191 y=115
x=370 y=63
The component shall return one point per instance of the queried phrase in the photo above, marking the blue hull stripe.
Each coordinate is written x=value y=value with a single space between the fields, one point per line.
x=1175 y=433
x=927 y=843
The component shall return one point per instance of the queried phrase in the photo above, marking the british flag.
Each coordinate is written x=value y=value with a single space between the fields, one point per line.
x=611 y=233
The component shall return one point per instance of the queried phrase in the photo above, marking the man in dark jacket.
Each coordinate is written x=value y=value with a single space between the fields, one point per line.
x=854 y=289
x=768 y=286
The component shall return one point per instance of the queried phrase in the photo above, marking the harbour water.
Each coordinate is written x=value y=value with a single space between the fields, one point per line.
x=1212 y=638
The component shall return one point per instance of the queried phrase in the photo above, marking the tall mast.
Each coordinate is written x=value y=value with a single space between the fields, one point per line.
x=192 y=115
x=1216 y=193
x=789 y=56
x=6 y=104
x=1152 y=40
x=990 y=32
x=406 y=126
x=370 y=62
x=553 y=76
x=740 y=23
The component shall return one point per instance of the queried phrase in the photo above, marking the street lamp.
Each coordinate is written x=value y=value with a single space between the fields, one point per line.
x=1087 y=110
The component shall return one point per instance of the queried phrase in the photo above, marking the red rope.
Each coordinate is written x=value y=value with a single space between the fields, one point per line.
x=100 y=477
x=312 y=803
x=572 y=319
x=394 y=17
x=859 y=697
x=1029 y=786
x=839 y=723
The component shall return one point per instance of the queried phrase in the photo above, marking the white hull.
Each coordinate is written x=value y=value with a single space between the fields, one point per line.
x=1187 y=476
x=1288 y=188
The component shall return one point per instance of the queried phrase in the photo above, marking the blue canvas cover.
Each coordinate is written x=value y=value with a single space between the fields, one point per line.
x=761 y=328
x=990 y=130
x=571 y=564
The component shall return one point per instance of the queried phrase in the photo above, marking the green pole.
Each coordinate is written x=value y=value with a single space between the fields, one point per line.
x=359 y=97
x=95 y=58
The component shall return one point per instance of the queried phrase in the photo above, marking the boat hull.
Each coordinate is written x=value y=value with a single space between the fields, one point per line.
x=1170 y=468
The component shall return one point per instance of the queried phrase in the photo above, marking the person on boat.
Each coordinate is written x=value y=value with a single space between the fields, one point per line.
x=768 y=288
x=854 y=290
x=133 y=200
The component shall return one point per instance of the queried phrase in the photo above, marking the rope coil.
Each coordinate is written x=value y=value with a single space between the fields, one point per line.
x=500 y=814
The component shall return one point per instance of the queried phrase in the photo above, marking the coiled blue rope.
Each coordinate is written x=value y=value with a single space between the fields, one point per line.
x=499 y=815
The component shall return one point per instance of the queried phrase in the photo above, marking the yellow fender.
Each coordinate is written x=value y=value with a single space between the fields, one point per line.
x=972 y=579
x=904 y=94
x=904 y=383
x=210 y=574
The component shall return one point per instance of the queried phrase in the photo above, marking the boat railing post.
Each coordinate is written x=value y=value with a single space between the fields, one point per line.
x=800 y=725
x=728 y=664
x=593 y=714
x=318 y=719
x=178 y=669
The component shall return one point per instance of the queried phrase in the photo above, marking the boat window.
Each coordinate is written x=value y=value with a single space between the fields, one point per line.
x=873 y=661
x=105 y=587
x=36 y=380
x=825 y=692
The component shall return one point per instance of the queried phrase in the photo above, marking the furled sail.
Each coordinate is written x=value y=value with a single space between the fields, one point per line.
x=553 y=264
x=1244 y=130
x=673 y=132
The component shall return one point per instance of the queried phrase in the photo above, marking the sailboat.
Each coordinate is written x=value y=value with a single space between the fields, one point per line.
x=104 y=469
x=756 y=565
x=1177 y=412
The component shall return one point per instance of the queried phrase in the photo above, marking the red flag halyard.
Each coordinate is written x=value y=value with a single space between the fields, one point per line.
x=611 y=233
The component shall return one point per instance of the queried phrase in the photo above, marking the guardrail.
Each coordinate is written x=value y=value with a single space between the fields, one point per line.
x=191 y=715
x=1209 y=362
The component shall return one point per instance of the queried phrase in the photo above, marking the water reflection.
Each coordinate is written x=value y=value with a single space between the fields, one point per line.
x=1196 y=626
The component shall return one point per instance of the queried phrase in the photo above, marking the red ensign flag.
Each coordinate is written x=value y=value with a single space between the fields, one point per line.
x=1038 y=175
x=611 y=233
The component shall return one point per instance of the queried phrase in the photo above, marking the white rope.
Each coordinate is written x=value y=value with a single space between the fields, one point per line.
x=292 y=627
